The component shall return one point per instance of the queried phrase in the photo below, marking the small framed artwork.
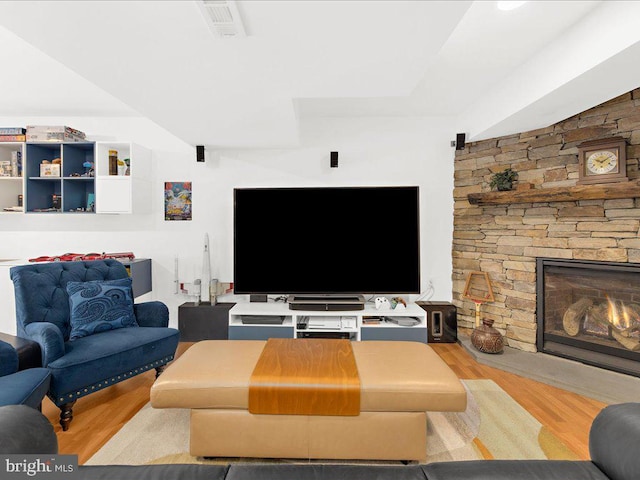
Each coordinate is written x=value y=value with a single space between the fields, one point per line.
x=177 y=200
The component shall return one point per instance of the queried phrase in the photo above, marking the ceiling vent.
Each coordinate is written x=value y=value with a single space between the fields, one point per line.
x=223 y=18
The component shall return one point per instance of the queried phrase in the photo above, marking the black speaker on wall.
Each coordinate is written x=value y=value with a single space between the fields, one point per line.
x=442 y=322
x=460 y=141
x=334 y=159
x=200 y=153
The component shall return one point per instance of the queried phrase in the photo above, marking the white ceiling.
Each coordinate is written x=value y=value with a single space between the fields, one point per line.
x=493 y=72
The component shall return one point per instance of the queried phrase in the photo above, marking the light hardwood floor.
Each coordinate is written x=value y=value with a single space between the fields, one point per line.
x=100 y=415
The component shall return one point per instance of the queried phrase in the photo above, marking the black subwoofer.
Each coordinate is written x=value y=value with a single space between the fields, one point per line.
x=442 y=322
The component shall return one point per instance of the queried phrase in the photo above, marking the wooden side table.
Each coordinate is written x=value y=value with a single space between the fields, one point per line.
x=29 y=353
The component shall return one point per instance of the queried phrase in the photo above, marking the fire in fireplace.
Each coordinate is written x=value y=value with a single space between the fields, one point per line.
x=590 y=311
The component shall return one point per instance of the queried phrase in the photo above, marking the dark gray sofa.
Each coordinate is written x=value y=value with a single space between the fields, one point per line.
x=613 y=444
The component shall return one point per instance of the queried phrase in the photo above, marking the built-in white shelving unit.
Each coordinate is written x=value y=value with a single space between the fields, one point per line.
x=70 y=189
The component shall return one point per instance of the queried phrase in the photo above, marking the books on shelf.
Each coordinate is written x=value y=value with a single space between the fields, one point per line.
x=12 y=167
x=16 y=164
x=54 y=133
x=12 y=131
x=13 y=138
x=5 y=168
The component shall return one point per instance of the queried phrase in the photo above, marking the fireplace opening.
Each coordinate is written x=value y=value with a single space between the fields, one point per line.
x=590 y=311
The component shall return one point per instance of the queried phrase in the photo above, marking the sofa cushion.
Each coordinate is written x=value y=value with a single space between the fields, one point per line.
x=513 y=469
x=100 y=305
x=26 y=387
x=252 y=471
x=115 y=354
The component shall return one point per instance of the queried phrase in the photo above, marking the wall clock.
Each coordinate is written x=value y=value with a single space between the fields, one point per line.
x=602 y=161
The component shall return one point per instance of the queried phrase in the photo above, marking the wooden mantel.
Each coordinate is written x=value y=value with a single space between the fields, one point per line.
x=558 y=194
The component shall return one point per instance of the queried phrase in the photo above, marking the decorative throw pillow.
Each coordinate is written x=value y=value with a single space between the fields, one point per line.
x=100 y=305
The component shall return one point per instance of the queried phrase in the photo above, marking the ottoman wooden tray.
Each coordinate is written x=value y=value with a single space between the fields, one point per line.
x=399 y=383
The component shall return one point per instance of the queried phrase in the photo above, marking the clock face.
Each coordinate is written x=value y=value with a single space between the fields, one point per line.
x=601 y=162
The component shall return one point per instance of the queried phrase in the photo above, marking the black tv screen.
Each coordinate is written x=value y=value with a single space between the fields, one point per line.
x=326 y=240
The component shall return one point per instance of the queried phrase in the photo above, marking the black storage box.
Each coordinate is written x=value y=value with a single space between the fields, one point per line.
x=203 y=321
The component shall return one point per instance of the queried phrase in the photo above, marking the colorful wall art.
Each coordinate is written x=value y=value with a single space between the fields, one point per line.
x=177 y=200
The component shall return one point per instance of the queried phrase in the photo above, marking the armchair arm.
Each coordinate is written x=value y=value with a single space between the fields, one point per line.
x=151 y=314
x=24 y=430
x=50 y=339
x=8 y=359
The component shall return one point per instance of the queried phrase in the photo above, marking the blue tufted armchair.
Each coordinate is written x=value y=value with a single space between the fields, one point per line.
x=81 y=366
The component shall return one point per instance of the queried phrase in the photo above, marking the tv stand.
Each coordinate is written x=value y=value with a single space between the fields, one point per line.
x=326 y=303
x=367 y=324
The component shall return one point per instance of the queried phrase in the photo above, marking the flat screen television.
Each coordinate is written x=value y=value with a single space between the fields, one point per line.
x=331 y=240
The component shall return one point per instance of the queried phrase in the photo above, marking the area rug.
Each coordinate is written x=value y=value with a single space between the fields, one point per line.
x=493 y=426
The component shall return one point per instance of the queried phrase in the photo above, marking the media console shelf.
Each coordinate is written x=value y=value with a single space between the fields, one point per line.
x=260 y=321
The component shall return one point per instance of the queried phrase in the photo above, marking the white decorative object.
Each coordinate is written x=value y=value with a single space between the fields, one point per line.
x=176 y=278
x=400 y=306
x=382 y=303
x=206 y=271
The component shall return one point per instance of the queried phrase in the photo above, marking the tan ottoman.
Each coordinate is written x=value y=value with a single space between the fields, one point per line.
x=400 y=382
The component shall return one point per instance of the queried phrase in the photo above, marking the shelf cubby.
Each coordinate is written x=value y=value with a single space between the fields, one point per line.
x=73 y=157
x=11 y=187
x=76 y=192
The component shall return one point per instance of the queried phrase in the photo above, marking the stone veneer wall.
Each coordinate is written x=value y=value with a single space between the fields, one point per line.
x=504 y=240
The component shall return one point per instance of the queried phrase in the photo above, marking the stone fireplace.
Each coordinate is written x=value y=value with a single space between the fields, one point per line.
x=590 y=311
x=548 y=216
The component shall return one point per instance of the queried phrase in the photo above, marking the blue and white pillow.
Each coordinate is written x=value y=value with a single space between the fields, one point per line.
x=100 y=305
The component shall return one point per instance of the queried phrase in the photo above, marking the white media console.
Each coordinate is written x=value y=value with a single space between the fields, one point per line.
x=259 y=321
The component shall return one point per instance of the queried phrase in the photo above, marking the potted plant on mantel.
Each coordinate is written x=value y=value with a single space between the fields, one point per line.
x=503 y=181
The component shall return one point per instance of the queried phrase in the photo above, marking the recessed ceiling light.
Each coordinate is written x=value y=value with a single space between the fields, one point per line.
x=509 y=5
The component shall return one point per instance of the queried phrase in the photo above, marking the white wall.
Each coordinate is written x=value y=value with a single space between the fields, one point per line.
x=372 y=151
